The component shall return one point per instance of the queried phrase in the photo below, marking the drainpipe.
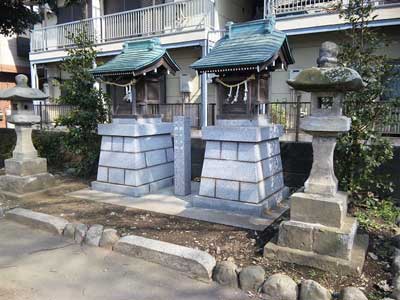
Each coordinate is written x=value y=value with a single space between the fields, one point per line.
x=34 y=82
x=204 y=90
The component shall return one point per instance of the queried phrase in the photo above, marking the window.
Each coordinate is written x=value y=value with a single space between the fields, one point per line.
x=69 y=14
x=393 y=86
x=114 y=6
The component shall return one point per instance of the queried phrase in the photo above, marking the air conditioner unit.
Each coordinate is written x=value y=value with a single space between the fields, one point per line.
x=185 y=83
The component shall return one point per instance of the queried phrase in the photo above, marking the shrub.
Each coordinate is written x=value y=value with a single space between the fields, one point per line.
x=90 y=106
x=363 y=149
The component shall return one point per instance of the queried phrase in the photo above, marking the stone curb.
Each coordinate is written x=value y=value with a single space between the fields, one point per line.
x=194 y=262
x=37 y=220
x=279 y=285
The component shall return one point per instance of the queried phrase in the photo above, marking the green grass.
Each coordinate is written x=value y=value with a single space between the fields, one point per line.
x=382 y=215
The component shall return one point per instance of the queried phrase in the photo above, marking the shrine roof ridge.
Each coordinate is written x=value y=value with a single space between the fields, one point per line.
x=135 y=57
x=250 y=45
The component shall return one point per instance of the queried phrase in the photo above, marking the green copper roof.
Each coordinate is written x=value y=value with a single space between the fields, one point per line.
x=136 y=57
x=252 y=44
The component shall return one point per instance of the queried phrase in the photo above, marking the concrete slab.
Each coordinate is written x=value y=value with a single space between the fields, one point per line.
x=37 y=265
x=165 y=202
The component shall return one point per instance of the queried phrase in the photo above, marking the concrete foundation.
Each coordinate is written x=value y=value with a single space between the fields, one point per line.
x=136 y=157
x=242 y=169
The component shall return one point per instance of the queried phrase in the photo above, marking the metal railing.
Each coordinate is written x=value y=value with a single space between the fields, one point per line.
x=294 y=7
x=192 y=110
x=157 y=20
x=393 y=128
x=49 y=113
x=287 y=114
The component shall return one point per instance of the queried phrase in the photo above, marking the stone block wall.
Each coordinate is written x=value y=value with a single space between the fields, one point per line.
x=139 y=165
x=244 y=172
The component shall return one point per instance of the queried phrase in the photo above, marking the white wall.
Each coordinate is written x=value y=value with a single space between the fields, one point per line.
x=233 y=10
x=184 y=57
x=305 y=49
x=8 y=52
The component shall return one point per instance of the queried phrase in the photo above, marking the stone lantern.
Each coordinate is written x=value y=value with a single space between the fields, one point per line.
x=25 y=171
x=319 y=233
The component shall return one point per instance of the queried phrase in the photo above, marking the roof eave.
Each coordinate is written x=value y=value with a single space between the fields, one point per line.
x=165 y=61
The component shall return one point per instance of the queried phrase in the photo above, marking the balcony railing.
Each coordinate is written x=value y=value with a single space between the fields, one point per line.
x=298 y=7
x=158 y=20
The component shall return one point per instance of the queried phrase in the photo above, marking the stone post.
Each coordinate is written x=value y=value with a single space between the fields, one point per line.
x=322 y=178
x=182 y=154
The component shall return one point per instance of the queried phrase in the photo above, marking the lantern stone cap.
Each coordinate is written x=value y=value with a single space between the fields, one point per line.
x=22 y=92
x=328 y=76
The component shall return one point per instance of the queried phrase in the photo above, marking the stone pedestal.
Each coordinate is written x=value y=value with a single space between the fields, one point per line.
x=136 y=157
x=18 y=186
x=242 y=170
x=326 y=239
x=25 y=171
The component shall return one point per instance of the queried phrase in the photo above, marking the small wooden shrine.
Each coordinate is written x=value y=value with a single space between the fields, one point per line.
x=242 y=169
x=136 y=156
x=242 y=61
x=140 y=68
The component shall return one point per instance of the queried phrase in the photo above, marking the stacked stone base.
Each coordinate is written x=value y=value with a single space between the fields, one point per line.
x=25 y=167
x=319 y=234
x=136 y=157
x=25 y=176
x=12 y=186
x=352 y=266
x=242 y=169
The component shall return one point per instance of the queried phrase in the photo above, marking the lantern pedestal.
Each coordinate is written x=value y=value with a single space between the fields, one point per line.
x=242 y=169
x=136 y=156
x=25 y=171
x=16 y=187
x=353 y=266
x=320 y=235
